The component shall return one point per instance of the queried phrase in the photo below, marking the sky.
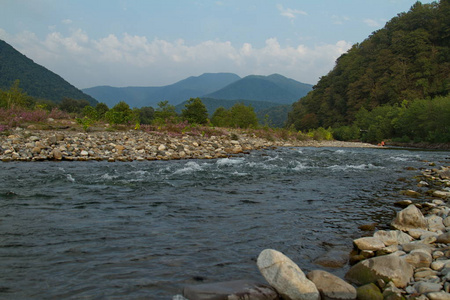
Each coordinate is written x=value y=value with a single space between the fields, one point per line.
x=159 y=42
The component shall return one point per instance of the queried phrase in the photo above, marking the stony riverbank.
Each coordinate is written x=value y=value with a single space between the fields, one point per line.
x=411 y=261
x=41 y=145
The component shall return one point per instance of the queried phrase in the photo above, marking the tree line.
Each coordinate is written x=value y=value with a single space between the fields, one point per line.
x=195 y=112
x=407 y=60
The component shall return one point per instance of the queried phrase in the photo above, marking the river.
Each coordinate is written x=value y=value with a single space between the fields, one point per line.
x=99 y=230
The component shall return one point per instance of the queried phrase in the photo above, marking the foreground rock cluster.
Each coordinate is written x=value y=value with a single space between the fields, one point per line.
x=35 y=145
x=411 y=261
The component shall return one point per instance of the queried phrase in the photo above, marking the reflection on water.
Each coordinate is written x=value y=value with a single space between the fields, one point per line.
x=145 y=229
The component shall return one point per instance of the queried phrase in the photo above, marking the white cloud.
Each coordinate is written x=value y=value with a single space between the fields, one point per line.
x=339 y=20
x=134 y=60
x=289 y=12
x=67 y=21
x=372 y=23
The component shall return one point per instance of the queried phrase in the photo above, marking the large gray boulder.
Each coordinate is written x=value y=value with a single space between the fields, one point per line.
x=230 y=290
x=331 y=287
x=409 y=218
x=388 y=267
x=285 y=276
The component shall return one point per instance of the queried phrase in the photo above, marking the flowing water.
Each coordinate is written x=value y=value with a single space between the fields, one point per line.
x=143 y=230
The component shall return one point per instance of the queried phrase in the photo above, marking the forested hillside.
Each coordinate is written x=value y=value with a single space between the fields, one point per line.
x=273 y=88
x=408 y=59
x=34 y=79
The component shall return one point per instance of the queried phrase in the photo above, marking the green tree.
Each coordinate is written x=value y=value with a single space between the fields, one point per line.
x=16 y=97
x=90 y=112
x=243 y=116
x=221 y=117
x=101 y=109
x=121 y=113
x=165 y=111
x=146 y=114
x=195 y=112
x=73 y=106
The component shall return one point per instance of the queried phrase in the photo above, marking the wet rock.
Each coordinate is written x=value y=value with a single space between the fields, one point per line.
x=330 y=286
x=333 y=259
x=388 y=267
x=231 y=290
x=369 y=243
x=285 y=276
x=369 y=292
x=403 y=203
x=411 y=193
x=409 y=218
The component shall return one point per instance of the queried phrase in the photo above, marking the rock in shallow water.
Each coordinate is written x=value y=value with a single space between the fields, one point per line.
x=330 y=286
x=230 y=290
x=285 y=276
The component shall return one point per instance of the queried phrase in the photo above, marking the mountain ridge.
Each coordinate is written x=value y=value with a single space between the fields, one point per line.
x=36 y=80
x=225 y=86
x=190 y=87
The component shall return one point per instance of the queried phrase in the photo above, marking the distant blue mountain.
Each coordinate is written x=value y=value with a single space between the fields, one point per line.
x=225 y=86
x=176 y=93
x=274 y=88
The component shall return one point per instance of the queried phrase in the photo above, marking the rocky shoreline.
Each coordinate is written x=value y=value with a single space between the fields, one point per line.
x=136 y=145
x=410 y=261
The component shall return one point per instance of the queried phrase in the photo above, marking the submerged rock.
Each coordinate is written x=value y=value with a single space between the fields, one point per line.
x=330 y=286
x=231 y=290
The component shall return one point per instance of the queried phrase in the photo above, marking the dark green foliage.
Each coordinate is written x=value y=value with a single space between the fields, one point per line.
x=35 y=80
x=277 y=113
x=164 y=112
x=146 y=114
x=121 y=113
x=275 y=116
x=101 y=109
x=221 y=117
x=347 y=133
x=239 y=116
x=90 y=112
x=416 y=121
x=195 y=112
x=15 y=97
x=73 y=106
x=408 y=59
